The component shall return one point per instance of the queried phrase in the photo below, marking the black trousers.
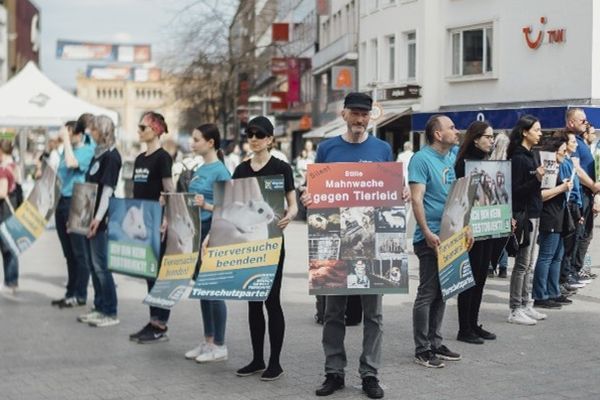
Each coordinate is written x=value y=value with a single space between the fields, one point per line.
x=469 y=301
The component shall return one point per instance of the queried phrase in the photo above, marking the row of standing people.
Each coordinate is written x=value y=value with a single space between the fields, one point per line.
x=90 y=156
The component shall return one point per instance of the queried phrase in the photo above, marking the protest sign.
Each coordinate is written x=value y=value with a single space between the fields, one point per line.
x=181 y=254
x=454 y=268
x=82 y=207
x=491 y=214
x=29 y=221
x=548 y=161
x=245 y=242
x=357 y=229
x=134 y=237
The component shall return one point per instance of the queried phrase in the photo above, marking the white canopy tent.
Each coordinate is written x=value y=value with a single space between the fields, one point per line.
x=31 y=99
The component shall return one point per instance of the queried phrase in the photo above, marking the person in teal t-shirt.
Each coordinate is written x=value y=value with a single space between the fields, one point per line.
x=430 y=175
x=207 y=143
x=74 y=163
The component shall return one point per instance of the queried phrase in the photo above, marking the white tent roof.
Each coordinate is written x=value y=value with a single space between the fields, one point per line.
x=31 y=99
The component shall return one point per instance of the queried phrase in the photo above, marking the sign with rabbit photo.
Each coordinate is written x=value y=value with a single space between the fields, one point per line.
x=134 y=237
x=30 y=219
x=244 y=241
x=81 y=212
x=181 y=254
x=357 y=229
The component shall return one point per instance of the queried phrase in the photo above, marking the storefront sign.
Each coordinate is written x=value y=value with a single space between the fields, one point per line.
x=558 y=35
x=404 y=92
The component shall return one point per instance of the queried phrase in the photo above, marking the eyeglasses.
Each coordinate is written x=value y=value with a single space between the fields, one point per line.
x=256 y=133
x=142 y=127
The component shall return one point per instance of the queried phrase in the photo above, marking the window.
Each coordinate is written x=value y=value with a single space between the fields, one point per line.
x=391 y=41
x=374 y=61
x=411 y=55
x=472 y=51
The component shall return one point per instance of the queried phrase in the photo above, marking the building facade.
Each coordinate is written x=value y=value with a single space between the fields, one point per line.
x=23 y=38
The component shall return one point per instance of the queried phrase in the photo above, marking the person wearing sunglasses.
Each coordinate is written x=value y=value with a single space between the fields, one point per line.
x=355 y=145
x=477 y=145
x=260 y=138
x=152 y=175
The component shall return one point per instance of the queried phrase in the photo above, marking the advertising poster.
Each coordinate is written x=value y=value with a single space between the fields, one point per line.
x=245 y=242
x=357 y=229
x=597 y=164
x=454 y=268
x=491 y=214
x=181 y=254
x=29 y=220
x=134 y=237
x=81 y=212
x=548 y=161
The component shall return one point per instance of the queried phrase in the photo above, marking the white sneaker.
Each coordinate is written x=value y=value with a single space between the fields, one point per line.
x=195 y=352
x=517 y=316
x=213 y=353
x=85 y=318
x=104 y=321
x=95 y=318
x=533 y=313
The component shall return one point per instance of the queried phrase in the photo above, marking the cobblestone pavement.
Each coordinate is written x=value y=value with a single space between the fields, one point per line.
x=46 y=354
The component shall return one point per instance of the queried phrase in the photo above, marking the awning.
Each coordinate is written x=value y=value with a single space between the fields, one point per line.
x=550 y=117
x=322 y=131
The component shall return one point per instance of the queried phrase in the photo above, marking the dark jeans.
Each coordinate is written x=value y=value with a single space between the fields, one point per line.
x=157 y=314
x=469 y=301
x=11 y=267
x=76 y=251
x=585 y=232
x=429 y=307
x=105 y=300
x=547 y=268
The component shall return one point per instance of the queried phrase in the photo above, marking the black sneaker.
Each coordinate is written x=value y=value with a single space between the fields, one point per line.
x=502 y=273
x=428 y=359
x=251 y=369
x=58 y=302
x=490 y=273
x=547 y=304
x=153 y=335
x=445 y=353
x=482 y=333
x=272 y=373
x=562 y=299
x=469 y=337
x=134 y=336
x=370 y=385
x=333 y=382
x=71 y=302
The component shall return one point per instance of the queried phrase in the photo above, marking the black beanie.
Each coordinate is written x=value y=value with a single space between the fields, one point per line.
x=262 y=124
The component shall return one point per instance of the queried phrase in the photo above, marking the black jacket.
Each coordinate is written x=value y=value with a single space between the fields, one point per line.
x=553 y=213
x=472 y=153
x=526 y=193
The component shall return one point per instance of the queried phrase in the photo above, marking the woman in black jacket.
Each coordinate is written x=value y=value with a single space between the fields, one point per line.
x=526 y=198
x=477 y=145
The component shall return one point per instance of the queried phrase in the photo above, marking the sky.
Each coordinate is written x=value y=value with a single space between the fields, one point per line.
x=121 y=21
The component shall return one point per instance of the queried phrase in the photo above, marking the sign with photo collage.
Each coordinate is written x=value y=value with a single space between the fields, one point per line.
x=357 y=229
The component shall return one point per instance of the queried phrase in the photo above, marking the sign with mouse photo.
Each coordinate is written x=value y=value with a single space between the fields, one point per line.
x=181 y=254
x=134 y=237
x=357 y=229
x=245 y=242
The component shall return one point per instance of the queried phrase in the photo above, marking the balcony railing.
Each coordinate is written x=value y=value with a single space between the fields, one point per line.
x=341 y=46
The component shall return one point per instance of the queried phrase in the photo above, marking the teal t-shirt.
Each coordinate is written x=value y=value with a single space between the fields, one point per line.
x=69 y=176
x=436 y=172
x=202 y=182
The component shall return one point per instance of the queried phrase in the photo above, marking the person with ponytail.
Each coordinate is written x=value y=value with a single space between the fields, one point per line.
x=152 y=175
x=206 y=142
x=527 y=207
x=477 y=145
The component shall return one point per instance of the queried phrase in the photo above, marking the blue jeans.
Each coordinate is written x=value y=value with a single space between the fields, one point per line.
x=76 y=251
x=547 y=269
x=11 y=267
x=503 y=261
x=104 y=285
x=214 y=312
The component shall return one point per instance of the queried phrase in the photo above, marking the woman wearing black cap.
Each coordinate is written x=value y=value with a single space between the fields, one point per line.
x=260 y=138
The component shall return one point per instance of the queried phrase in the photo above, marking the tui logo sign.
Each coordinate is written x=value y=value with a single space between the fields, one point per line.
x=535 y=40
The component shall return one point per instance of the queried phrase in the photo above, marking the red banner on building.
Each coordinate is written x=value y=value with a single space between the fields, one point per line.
x=293 y=75
x=280 y=32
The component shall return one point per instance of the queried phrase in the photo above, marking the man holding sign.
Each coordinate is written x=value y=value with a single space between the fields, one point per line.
x=430 y=174
x=356 y=145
